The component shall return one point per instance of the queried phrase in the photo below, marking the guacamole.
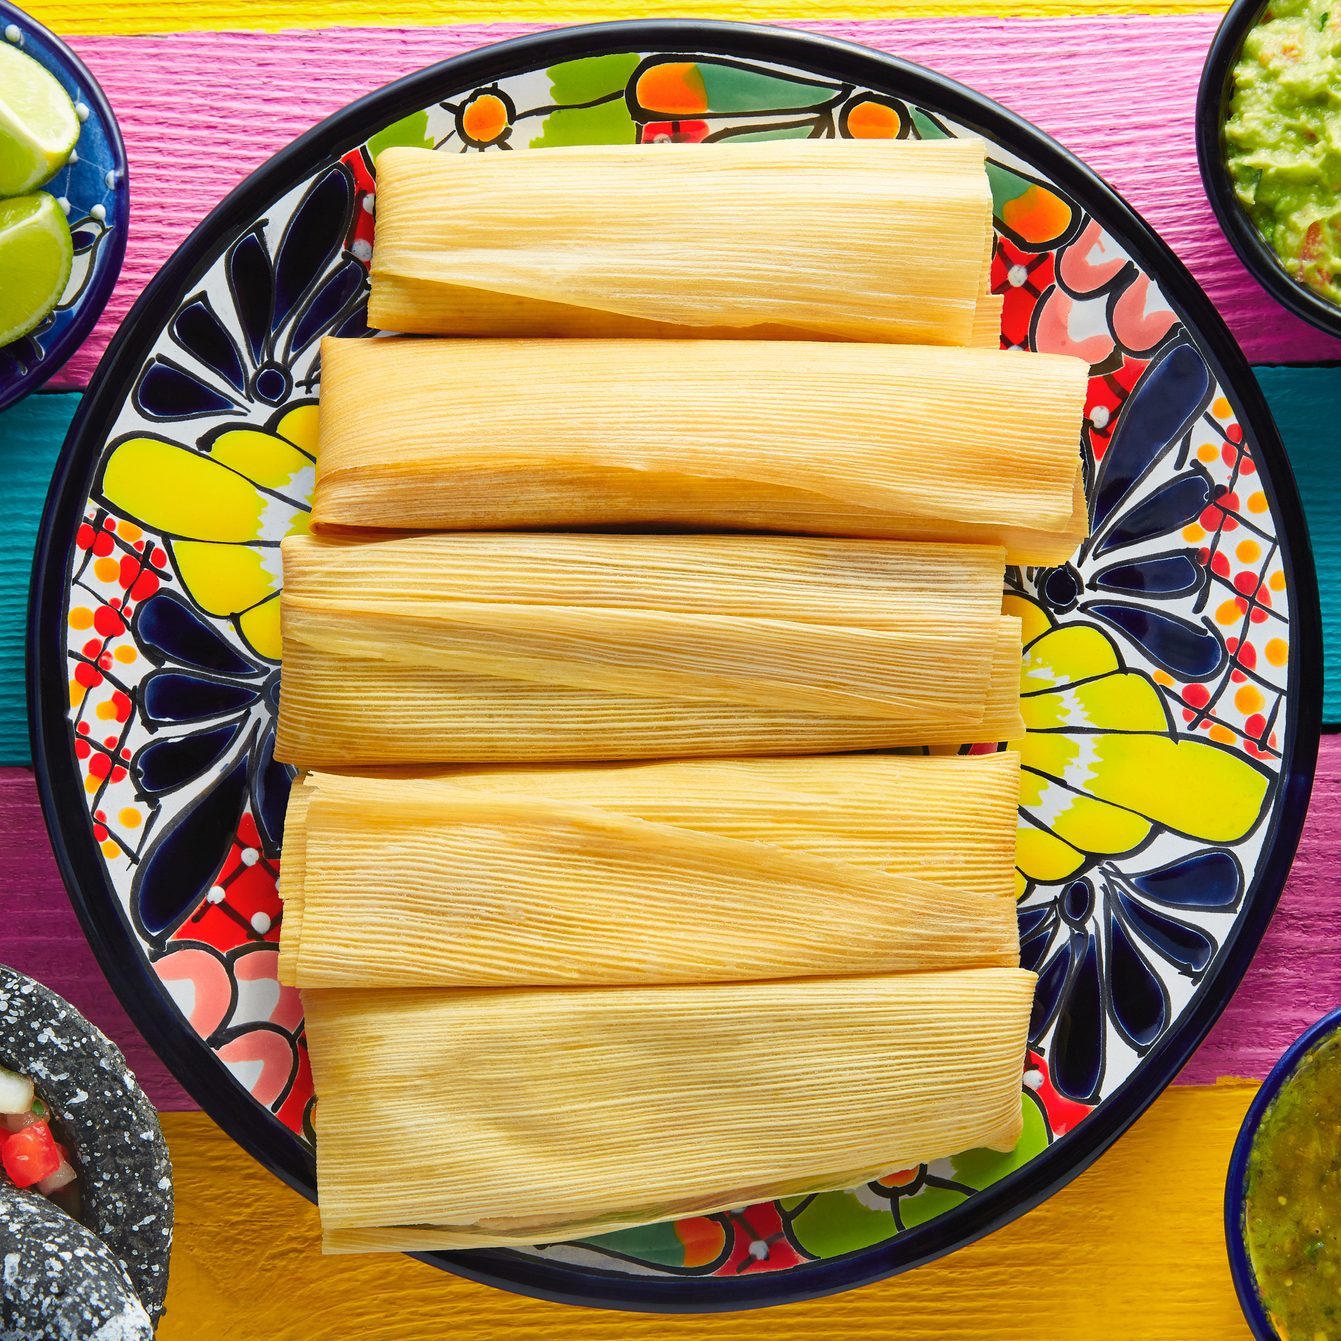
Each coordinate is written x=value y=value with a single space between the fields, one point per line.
x=1292 y=1201
x=1283 y=137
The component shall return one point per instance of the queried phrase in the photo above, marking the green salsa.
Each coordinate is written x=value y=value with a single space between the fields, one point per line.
x=1292 y=1201
x=1283 y=137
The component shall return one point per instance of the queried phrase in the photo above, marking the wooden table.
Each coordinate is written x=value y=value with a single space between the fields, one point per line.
x=206 y=90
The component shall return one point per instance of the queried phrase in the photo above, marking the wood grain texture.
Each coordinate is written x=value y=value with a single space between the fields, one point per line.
x=1096 y=1260
x=31 y=434
x=1305 y=404
x=162 y=16
x=200 y=111
x=40 y=936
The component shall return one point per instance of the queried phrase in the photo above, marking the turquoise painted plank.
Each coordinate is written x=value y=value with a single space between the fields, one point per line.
x=1306 y=403
x=1305 y=400
x=31 y=434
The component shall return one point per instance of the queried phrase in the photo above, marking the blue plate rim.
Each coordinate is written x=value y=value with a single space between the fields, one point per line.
x=1236 y=1180
x=94 y=299
x=199 y=1070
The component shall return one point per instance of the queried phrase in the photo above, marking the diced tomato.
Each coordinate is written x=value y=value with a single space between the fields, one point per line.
x=30 y=1155
x=1311 y=247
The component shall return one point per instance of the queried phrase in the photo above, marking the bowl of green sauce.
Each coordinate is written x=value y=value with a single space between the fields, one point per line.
x=1269 y=147
x=1283 y=1194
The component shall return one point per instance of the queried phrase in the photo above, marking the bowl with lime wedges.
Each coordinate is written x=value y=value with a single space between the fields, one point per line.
x=64 y=203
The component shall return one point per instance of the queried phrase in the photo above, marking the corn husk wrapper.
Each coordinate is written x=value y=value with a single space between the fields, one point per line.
x=420 y=885
x=545 y=1115
x=886 y=441
x=857 y=240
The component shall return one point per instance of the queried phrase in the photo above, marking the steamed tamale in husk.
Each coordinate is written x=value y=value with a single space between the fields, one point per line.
x=401 y=882
x=845 y=239
x=383 y=666
x=885 y=441
x=948 y=819
x=549 y=1114
x=351 y=711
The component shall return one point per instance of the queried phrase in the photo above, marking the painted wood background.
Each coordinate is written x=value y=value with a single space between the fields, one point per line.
x=206 y=90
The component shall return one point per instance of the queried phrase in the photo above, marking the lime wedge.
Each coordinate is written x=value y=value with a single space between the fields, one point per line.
x=38 y=126
x=36 y=254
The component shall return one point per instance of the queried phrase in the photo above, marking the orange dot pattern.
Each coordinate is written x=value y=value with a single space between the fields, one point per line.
x=484 y=119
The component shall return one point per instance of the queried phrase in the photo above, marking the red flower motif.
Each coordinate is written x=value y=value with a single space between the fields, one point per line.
x=1022 y=278
x=243 y=904
x=759 y=1242
x=1062 y=1113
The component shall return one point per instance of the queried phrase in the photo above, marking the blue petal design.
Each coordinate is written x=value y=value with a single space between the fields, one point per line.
x=178 y=696
x=1036 y=928
x=324 y=307
x=199 y=331
x=252 y=284
x=1186 y=650
x=1168 y=507
x=1209 y=879
x=1168 y=397
x=1138 y=1001
x=183 y=861
x=1160 y=575
x=167 y=392
x=1078 y=1042
x=1048 y=993
x=1190 y=948
x=168 y=629
x=164 y=765
x=355 y=325
x=270 y=794
x=311 y=239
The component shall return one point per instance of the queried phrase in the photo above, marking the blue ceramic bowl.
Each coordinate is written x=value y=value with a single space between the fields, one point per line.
x=94 y=190
x=1240 y=1265
x=1213 y=98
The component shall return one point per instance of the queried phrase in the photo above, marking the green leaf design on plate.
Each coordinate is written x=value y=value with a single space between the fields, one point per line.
x=410 y=131
x=928 y=1203
x=982 y=1168
x=833 y=1223
x=600 y=83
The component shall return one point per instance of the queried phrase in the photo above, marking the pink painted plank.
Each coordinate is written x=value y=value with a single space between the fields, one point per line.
x=40 y=936
x=1295 y=978
x=200 y=110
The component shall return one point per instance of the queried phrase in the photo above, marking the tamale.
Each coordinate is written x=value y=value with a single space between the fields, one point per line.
x=545 y=1115
x=420 y=885
x=877 y=584
x=887 y=441
x=846 y=239
x=924 y=670
x=351 y=710
x=949 y=819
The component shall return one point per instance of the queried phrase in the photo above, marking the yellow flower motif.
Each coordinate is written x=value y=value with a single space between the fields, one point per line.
x=1104 y=765
x=222 y=512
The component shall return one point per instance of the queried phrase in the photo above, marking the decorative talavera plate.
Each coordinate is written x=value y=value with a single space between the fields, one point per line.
x=1171 y=670
x=95 y=195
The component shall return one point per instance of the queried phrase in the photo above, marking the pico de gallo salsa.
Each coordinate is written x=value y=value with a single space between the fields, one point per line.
x=31 y=1154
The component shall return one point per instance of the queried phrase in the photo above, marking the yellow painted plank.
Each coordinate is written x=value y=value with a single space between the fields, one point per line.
x=74 y=17
x=1131 y=1249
